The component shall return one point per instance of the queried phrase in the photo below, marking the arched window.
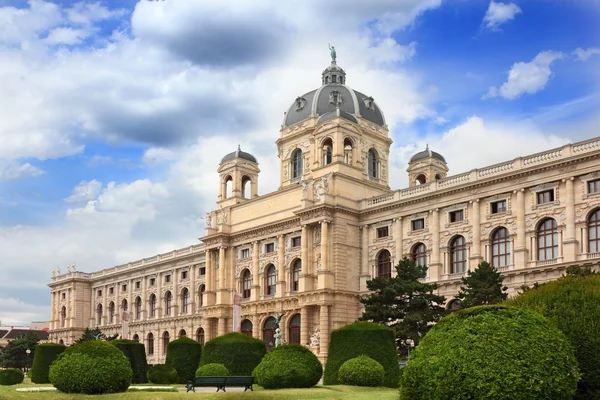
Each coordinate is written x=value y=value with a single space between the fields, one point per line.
x=111 y=313
x=150 y=339
x=269 y=332
x=99 y=314
x=458 y=254
x=138 y=308
x=454 y=305
x=296 y=269
x=246 y=327
x=185 y=301
x=500 y=248
x=124 y=306
x=200 y=336
x=271 y=279
x=420 y=179
x=294 y=329
x=152 y=306
x=228 y=186
x=419 y=254
x=347 y=151
x=594 y=232
x=373 y=173
x=61 y=341
x=384 y=265
x=166 y=340
x=327 y=152
x=547 y=240
x=246 y=284
x=136 y=337
x=201 y=292
x=63 y=316
x=182 y=333
x=168 y=303
x=247 y=187
x=297 y=164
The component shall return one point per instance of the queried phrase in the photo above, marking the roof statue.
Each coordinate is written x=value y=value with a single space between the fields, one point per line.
x=333 y=55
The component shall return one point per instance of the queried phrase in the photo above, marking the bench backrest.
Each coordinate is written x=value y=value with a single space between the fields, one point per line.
x=210 y=380
x=240 y=380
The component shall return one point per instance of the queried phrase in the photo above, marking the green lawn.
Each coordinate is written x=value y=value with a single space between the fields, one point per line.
x=318 y=392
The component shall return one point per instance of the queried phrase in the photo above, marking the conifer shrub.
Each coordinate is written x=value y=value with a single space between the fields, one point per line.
x=136 y=354
x=288 y=366
x=238 y=352
x=363 y=338
x=183 y=354
x=11 y=376
x=361 y=371
x=572 y=303
x=92 y=367
x=163 y=374
x=45 y=354
x=212 y=370
x=494 y=353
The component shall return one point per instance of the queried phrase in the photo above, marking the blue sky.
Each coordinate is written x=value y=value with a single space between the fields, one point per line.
x=114 y=115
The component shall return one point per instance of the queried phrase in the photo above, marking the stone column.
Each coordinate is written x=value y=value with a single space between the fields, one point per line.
x=435 y=267
x=159 y=296
x=306 y=275
x=398 y=239
x=145 y=299
x=476 y=224
x=255 y=280
x=364 y=269
x=176 y=296
x=53 y=311
x=192 y=304
x=256 y=328
x=69 y=316
x=326 y=274
x=222 y=327
x=130 y=301
x=324 y=331
x=521 y=245
x=570 y=244
x=304 y=320
x=222 y=293
x=280 y=292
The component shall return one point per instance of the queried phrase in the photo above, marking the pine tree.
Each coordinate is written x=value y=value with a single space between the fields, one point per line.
x=404 y=303
x=95 y=334
x=482 y=286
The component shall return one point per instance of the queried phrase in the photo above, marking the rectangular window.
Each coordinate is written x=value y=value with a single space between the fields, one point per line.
x=99 y=293
x=593 y=186
x=547 y=196
x=137 y=285
x=245 y=253
x=152 y=281
x=202 y=271
x=296 y=241
x=499 y=207
x=418 y=224
x=110 y=290
x=457 y=216
x=64 y=296
x=184 y=275
x=123 y=288
x=269 y=247
x=382 y=232
x=167 y=278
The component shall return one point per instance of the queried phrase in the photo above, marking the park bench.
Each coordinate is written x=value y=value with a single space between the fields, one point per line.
x=220 y=382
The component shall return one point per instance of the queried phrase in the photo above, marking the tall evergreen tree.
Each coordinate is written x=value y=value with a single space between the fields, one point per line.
x=404 y=303
x=95 y=334
x=14 y=354
x=483 y=286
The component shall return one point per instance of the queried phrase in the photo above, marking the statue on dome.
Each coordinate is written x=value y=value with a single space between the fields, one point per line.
x=333 y=54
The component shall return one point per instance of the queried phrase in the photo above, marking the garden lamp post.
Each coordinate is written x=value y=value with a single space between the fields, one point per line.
x=28 y=352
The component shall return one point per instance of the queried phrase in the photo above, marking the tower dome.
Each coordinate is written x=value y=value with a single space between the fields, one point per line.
x=426 y=154
x=239 y=154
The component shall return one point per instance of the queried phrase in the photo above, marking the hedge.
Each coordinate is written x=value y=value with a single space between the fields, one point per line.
x=212 y=370
x=183 y=354
x=136 y=354
x=163 y=374
x=45 y=354
x=363 y=338
x=361 y=371
x=288 y=366
x=93 y=367
x=11 y=376
x=238 y=352
x=573 y=305
x=494 y=353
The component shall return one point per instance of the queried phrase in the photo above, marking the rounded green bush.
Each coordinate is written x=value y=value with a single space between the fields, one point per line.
x=238 y=352
x=183 y=354
x=163 y=374
x=93 y=367
x=212 y=370
x=573 y=305
x=136 y=354
x=363 y=338
x=45 y=354
x=288 y=366
x=494 y=353
x=11 y=376
x=361 y=371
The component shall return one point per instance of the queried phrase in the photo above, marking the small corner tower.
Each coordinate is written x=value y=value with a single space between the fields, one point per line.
x=426 y=166
x=238 y=177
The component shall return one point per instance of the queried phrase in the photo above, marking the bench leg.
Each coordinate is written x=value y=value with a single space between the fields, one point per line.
x=249 y=387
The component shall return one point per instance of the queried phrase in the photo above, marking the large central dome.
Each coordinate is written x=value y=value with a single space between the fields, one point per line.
x=333 y=99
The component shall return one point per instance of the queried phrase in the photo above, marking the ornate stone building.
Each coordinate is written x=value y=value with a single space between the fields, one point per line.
x=307 y=250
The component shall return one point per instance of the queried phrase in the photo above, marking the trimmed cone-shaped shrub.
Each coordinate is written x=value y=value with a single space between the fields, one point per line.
x=573 y=305
x=361 y=371
x=288 y=366
x=11 y=376
x=93 y=367
x=238 y=352
x=363 y=338
x=45 y=354
x=212 y=370
x=163 y=374
x=136 y=354
x=183 y=354
x=493 y=353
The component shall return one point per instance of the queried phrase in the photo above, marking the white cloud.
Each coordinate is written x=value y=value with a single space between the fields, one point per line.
x=584 y=54
x=65 y=35
x=12 y=171
x=499 y=13
x=527 y=77
x=85 y=191
x=85 y=13
x=19 y=25
x=15 y=312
